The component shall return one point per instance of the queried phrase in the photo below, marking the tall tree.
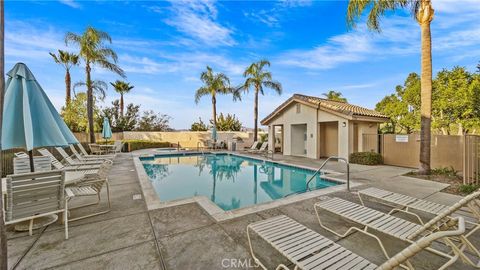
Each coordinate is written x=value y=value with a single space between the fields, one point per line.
x=122 y=88
x=67 y=60
x=335 y=96
x=94 y=52
x=215 y=84
x=423 y=13
x=258 y=78
x=3 y=233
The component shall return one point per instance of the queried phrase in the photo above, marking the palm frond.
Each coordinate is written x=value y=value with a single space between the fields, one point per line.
x=202 y=91
x=110 y=66
x=72 y=38
x=108 y=53
x=275 y=85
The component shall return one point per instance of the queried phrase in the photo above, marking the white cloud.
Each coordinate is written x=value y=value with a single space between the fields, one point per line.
x=400 y=36
x=267 y=17
x=70 y=3
x=198 y=20
x=25 y=42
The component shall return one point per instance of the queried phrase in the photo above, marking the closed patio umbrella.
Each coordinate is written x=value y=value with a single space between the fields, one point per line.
x=29 y=118
x=214 y=137
x=106 y=130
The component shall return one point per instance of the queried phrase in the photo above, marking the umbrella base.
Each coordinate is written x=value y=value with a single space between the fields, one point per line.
x=37 y=223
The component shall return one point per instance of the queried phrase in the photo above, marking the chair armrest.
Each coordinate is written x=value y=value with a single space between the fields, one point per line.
x=69 y=193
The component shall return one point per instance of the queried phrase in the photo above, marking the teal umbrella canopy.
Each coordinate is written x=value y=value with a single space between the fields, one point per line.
x=106 y=131
x=29 y=118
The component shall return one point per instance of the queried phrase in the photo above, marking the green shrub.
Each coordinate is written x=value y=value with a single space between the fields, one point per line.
x=133 y=145
x=447 y=171
x=366 y=158
x=467 y=189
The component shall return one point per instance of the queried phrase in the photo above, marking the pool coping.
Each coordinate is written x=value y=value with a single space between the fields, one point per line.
x=153 y=201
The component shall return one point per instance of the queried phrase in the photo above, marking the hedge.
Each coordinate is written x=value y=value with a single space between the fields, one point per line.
x=132 y=145
x=366 y=158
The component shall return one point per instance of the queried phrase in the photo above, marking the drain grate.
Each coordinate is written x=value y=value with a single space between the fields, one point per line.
x=137 y=197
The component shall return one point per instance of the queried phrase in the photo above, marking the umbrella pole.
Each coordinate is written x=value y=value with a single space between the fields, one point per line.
x=30 y=155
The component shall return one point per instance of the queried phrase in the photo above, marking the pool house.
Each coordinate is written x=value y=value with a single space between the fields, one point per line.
x=314 y=127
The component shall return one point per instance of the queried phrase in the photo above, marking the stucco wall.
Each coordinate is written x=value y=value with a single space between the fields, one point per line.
x=290 y=117
x=188 y=139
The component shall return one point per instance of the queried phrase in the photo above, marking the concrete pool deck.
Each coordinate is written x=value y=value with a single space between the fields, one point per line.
x=186 y=237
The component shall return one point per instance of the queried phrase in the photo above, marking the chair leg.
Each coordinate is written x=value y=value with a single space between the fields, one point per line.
x=30 y=227
x=251 y=251
x=65 y=219
x=108 y=194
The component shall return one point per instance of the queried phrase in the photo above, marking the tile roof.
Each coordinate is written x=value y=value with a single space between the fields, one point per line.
x=336 y=106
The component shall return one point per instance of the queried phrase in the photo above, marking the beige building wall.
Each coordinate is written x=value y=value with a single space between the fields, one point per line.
x=289 y=117
x=327 y=134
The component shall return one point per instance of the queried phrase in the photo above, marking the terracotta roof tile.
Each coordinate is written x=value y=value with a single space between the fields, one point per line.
x=336 y=106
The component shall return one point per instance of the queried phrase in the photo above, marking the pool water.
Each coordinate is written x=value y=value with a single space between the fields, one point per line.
x=230 y=181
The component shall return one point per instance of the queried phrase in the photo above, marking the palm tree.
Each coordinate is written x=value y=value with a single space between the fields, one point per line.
x=258 y=78
x=333 y=95
x=94 y=53
x=423 y=13
x=67 y=60
x=99 y=88
x=3 y=233
x=122 y=88
x=215 y=84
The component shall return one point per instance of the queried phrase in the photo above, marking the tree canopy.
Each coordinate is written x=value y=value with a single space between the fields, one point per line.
x=455 y=99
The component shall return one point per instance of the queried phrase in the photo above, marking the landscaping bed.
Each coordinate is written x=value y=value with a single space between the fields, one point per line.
x=447 y=176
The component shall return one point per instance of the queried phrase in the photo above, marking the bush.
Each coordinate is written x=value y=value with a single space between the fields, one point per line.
x=447 y=171
x=366 y=158
x=467 y=189
x=133 y=145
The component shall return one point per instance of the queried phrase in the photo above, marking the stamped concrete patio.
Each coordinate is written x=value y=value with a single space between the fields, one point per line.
x=186 y=237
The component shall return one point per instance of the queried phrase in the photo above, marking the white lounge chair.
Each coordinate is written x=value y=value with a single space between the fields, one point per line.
x=399 y=228
x=86 y=155
x=405 y=203
x=87 y=169
x=118 y=147
x=22 y=165
x=307 y=249
x=70 y=161
x=262 y=148
x=34 y=195
x=254 y=146
x=91 y=185
x=78 y=156
x=21 y=155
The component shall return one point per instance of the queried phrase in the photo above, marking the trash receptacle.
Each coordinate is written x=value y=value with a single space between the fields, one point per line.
x=232 y=146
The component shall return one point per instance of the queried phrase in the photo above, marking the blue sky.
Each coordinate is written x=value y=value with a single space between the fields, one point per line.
x=164 y=46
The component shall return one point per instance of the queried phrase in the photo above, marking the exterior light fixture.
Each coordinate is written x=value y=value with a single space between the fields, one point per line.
x=344 y=124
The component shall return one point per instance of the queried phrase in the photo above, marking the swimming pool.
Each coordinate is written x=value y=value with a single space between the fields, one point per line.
x=229 y=181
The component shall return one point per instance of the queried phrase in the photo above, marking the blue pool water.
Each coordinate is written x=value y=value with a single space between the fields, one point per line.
x=230 y=181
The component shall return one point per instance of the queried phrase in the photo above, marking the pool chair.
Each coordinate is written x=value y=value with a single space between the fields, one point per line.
x=21 y=155
x=34 y=195
x=307 y=249
x=22 y=164
x=70 y=161
x=91 y=185
x=59 y=166
x=254 y=147
x=370 y=219
x=118 y=147
x=405 y=203
x=86 y=155
x=78 y=156
x=262 y=149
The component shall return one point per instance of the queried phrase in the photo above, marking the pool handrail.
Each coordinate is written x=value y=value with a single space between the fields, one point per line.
x=323 y=165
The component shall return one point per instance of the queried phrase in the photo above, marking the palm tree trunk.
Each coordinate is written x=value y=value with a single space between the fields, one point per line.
x=121 y=104
x=255 y=116
x=214 y=107
x=3 y=234
x=68 y=89
x=88 y=81
x=424 y=17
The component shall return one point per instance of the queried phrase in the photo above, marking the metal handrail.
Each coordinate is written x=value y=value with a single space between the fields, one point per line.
x=325 y=163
